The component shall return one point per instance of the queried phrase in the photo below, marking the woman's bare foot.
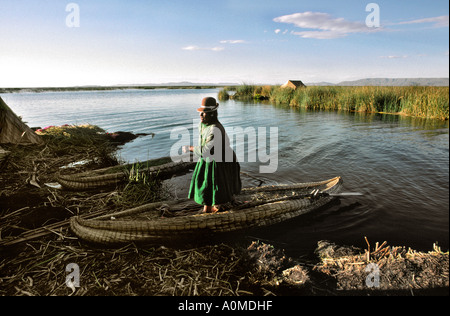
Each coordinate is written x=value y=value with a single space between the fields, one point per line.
x=215 y=209
x=211 y=209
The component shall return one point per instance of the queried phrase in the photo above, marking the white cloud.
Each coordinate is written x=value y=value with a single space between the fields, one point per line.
x=232 y=42
x=322 y=25
x=394 y=57
x=215 y=48
x=277 y=31
x=319 y=34
x=194 y=47
x=439 y=21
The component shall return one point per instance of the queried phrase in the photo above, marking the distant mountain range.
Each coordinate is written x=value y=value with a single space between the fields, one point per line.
x=360 y=82
x=178 y=84
x=441 y=82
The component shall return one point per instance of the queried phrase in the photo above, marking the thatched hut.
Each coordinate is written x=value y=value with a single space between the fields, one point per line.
x=293 y=84
x=13 y=130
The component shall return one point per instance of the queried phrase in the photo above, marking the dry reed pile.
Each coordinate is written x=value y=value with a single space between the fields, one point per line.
x=384 y=268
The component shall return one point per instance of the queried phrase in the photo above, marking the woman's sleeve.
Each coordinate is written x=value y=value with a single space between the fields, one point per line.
x=207 y=146
x=198 y=149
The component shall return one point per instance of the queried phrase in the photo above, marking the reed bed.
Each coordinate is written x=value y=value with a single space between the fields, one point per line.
x=424 y=102
x=129 y=271
x=38 y=268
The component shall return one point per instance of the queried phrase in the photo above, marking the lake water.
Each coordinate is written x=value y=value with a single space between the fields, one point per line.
x=399 y=164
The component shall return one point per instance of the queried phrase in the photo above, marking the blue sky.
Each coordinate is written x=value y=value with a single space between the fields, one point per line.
x=252 y=41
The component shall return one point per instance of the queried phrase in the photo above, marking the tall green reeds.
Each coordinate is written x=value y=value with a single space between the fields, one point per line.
x=223 y=95
x=141 y=188
x=246 y=92
x=425 y=102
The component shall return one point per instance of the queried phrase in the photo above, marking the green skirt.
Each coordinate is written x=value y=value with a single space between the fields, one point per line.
x=215 y=183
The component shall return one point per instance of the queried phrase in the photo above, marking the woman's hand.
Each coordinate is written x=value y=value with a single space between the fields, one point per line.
x=187 y=149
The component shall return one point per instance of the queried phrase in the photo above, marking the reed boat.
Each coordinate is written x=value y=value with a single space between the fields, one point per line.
x=96 y=179
x=254 y=206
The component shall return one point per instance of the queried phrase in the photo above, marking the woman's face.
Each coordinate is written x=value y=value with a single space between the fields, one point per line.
x=206 y=117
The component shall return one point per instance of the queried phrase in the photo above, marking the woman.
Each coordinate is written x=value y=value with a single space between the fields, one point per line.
x=216 y=177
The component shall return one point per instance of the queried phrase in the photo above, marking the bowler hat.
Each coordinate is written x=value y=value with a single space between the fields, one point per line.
x=208 y=105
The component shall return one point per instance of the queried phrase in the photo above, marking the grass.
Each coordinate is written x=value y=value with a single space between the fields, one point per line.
x=224 y=95
x=424 y=102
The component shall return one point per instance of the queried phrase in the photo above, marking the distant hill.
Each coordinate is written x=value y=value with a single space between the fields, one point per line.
x=323 y=83
x=397 y=82
x=439 y=82
x=169 y=85
x=178 y=84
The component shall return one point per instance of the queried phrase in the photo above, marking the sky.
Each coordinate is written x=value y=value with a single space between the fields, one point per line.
x=57 y=43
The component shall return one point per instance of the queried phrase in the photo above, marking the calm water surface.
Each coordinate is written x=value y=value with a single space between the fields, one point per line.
x=401 y=165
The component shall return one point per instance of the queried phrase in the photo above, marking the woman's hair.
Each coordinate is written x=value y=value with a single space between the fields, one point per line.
x=214 y=114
